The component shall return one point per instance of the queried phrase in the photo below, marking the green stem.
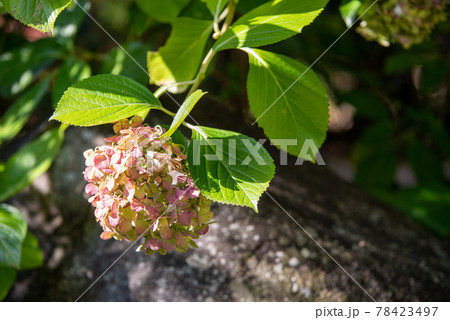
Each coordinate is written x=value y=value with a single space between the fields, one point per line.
x=217 y=21
x=202 y=72
x=231 y=9
x=163 y=89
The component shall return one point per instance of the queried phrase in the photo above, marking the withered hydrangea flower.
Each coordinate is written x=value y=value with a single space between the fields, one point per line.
x=407 y=22
x=140 y=187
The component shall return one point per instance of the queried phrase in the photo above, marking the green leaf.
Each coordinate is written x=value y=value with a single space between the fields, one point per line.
x=71 y=71
x=30 y=162
x=102 y=99
x=38 y=14
x=428 y=204
x=368 y=105
x=118 y=62
x=270 y=23
x=196 y=9
x=13 y=229
x=7 y=278
x=179 y=59
x=349 y=10
x=31 y=253
x=184 y=111
x=138 y=21
x=216 y=6
x=18 y=68
x=375 y=157
x=69 y=21
x=288 y=100
x=20 y=111
x=162 y=10
x=434 y=128
x=247 y=5
x=425 y=163
x=225 y=170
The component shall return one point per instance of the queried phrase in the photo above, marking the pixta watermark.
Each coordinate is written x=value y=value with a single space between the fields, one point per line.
x=230 y=151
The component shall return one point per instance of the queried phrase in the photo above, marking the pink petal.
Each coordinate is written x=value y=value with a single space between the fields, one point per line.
x=167 y=185
x=151 y=211
x=181 y=241
x=180 y=193
x=113 y=217
x=133 y=173
x=137 y=205
x=91 y=189
x=100 y=212
x=166 y=233
x=171 y=197
x=195 y=194
x=184 y=218
x=137 y=153
x=89 y=174
x=106 y=235
x=175 y=176
x=112 y=139
x=202 y=230
x=101 y=161
x=167 y=245
x=153 y=244
x=124 y=226
x=111 y=184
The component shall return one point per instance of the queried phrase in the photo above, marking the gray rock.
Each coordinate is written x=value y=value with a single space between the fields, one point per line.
x=245 y=256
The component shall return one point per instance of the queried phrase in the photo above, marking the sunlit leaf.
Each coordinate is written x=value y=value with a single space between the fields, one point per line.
x=102 y=99
x=179 y=59
x=288 y=100
x=270 y=23
x=225 y=170
x=38 y=14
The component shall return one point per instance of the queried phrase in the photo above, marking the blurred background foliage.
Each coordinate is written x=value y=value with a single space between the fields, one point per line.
x=389 y=103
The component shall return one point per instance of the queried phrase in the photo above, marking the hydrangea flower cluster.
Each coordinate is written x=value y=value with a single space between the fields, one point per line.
x=407 y=22
x=140 y=187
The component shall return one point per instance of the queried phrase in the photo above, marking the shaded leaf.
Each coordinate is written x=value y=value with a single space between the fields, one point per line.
x=20 y=111
x=29 y=162
x=247 y=5
x=375 y=158
x=367 y=105
x=13 y=228
x=425 y=163
x=162 y=10
x=7 y=278
x=118 y=62
x=69 y=21
x=429 y=205
x=71 y=71
x=31 y=253
x=18 y=68
x=216 y=6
